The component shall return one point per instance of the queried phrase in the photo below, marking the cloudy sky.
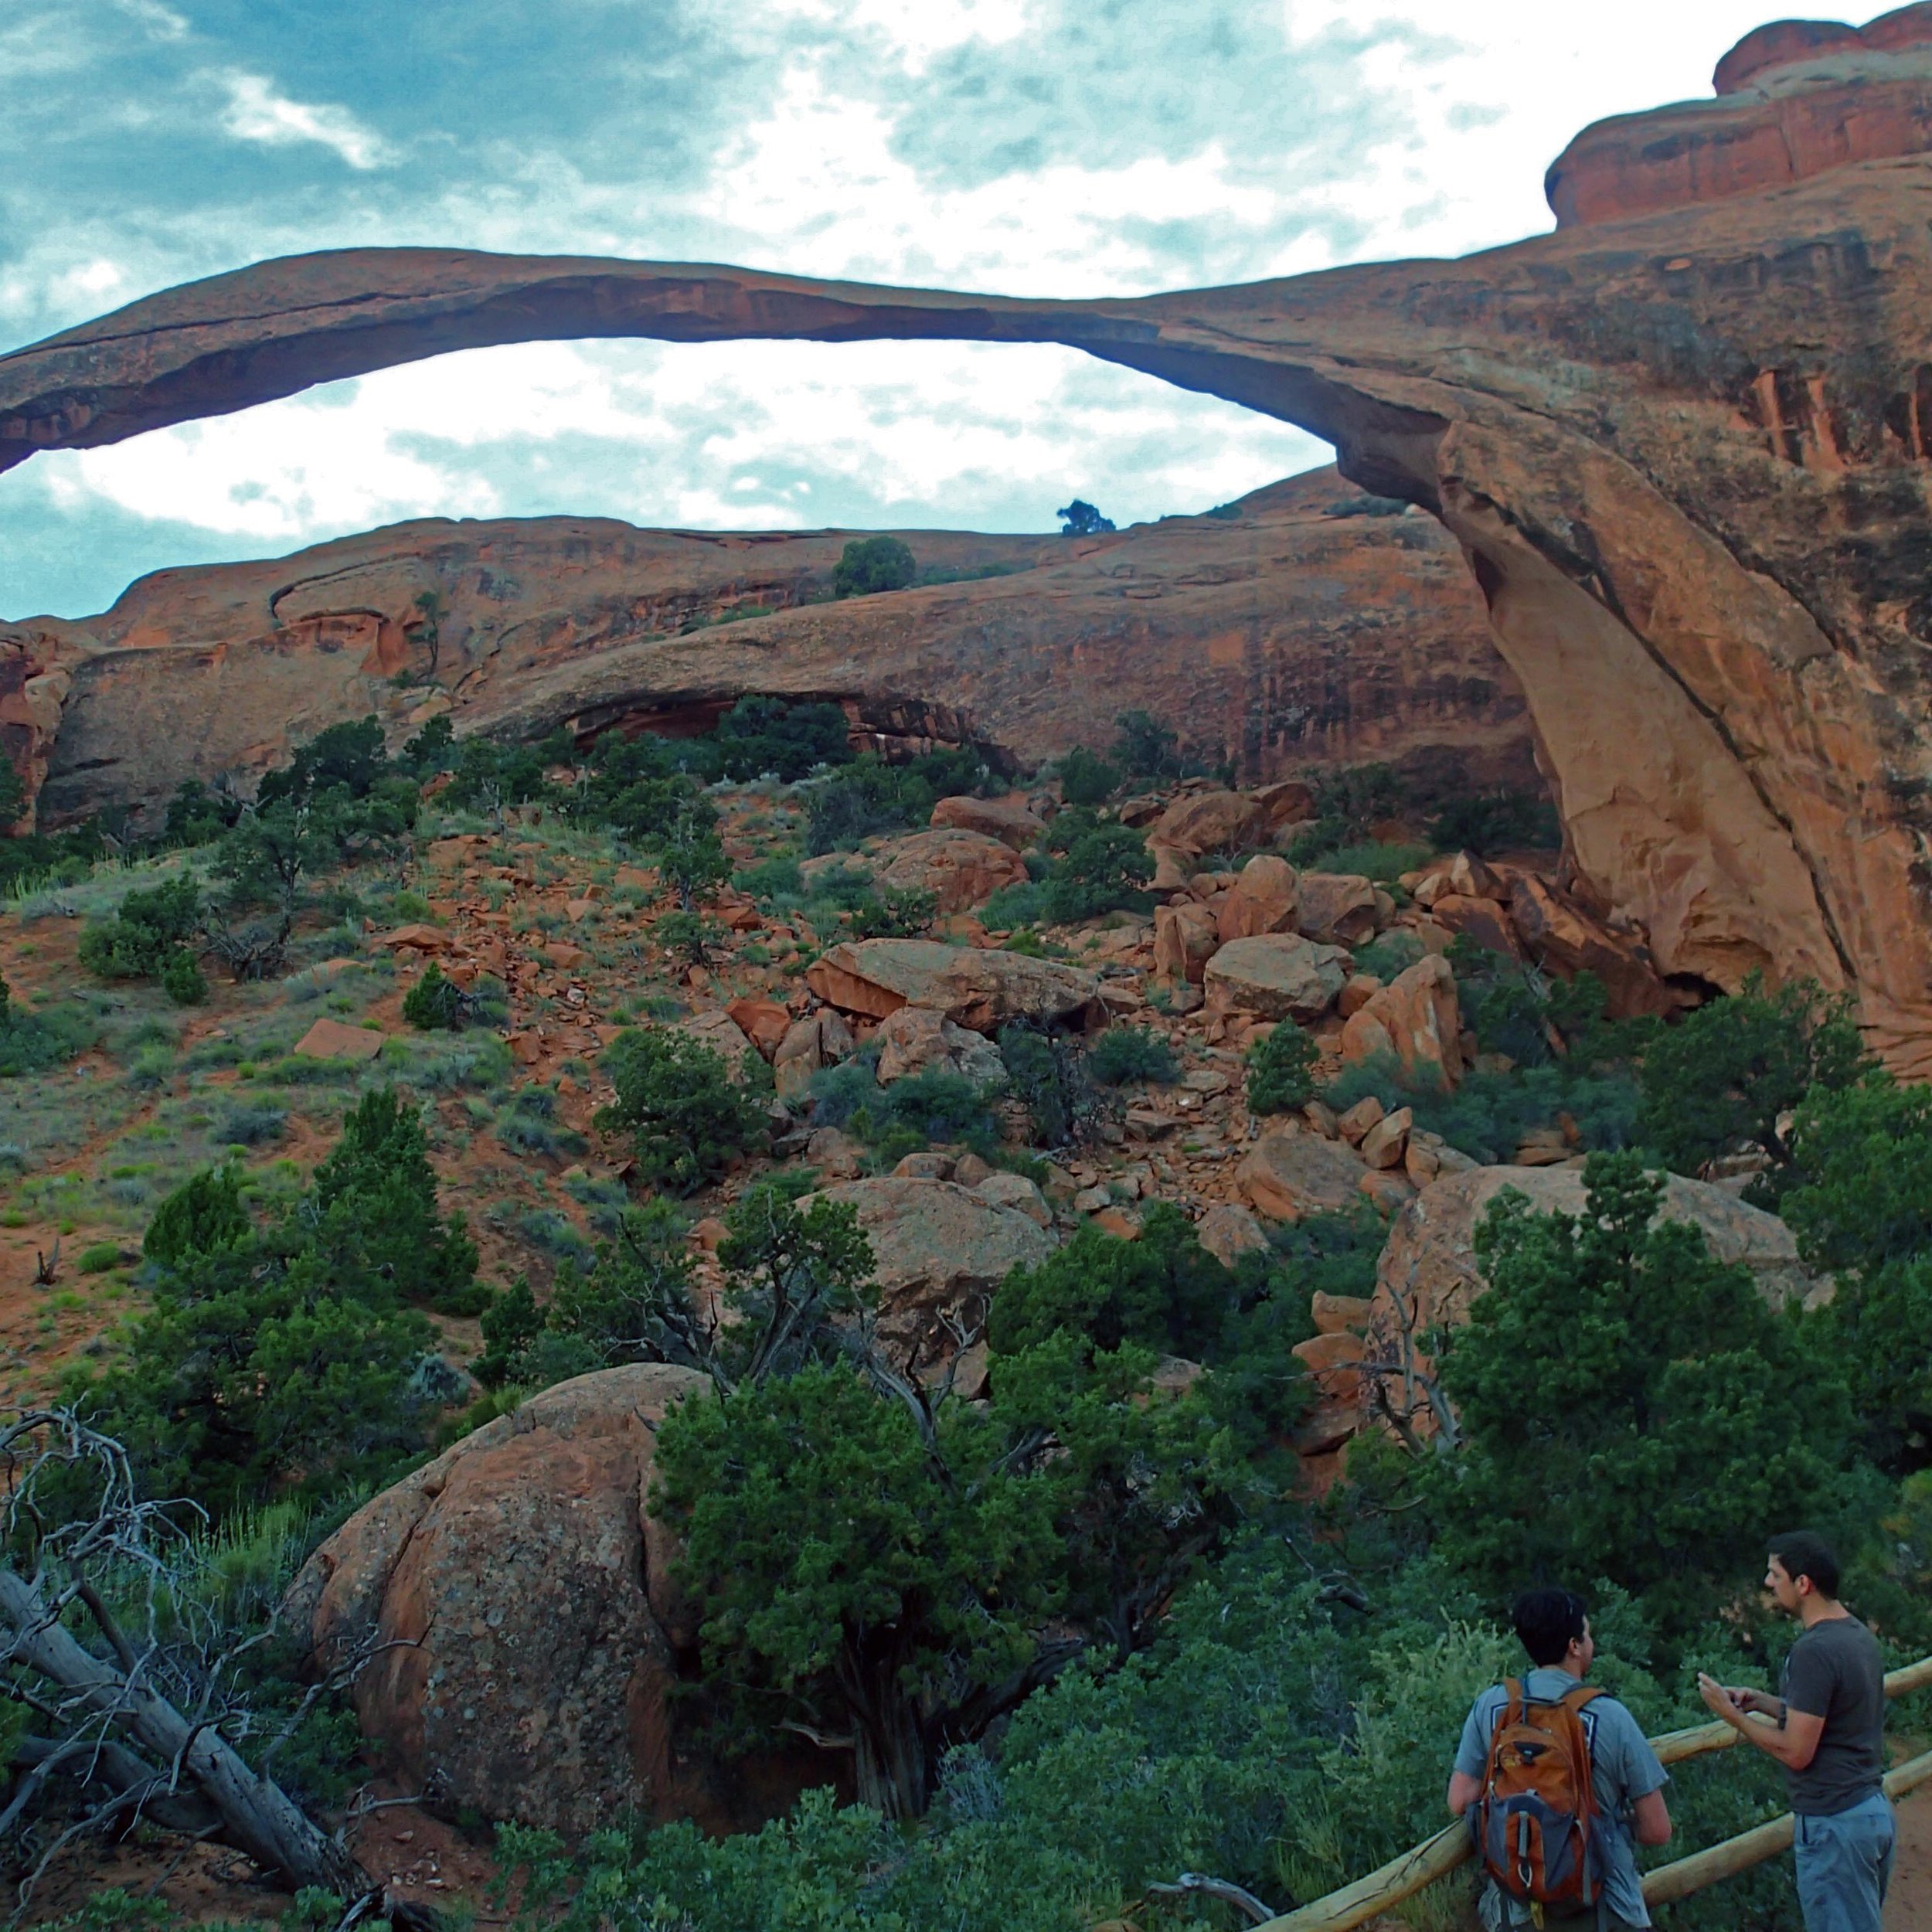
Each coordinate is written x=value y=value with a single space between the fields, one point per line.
x=1029 y=146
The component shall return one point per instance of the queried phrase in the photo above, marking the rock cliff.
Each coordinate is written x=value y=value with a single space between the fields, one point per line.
x=1275 y=628
x=1687 y=455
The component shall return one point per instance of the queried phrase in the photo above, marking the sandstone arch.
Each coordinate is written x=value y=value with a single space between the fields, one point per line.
x=1683 y=452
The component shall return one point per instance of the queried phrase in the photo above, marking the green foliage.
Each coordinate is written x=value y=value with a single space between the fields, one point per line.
x=777 y=877
x=1348 y=805
x=864 y=797
x=687 y=935
x=182 y=980
x=347 y=757
x=1164 y=1291
x=1488 y=822
x=145 y=935
x=198 y=816
x=436 y=1003
x=690 y=855
x=489 y=777
x=1080 y=519
x=1629 y=1406
x=1147 y=748
x=33 y=1040
x=1280 y=1070
x=1103 y=868
x=869 y=564
x=13 y=794
x=1124 y=1053
x=1049 y=1075
x=1723 y=1078
x=286 y=1359
x=433 y=750
x=675 y=1098
x=760 y=735
x=1087 y=778
x=1863 y=1210
x=933 y=1104
x=894 y=912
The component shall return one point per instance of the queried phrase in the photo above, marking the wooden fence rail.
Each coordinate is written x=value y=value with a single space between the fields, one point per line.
x=1416 y=1869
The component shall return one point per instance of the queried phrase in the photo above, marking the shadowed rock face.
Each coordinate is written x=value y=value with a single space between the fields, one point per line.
x=1287 y=633
x=1686 y=455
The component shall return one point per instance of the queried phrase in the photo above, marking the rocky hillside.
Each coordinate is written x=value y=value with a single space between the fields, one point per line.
x=1289 y=630
x=1680 y=440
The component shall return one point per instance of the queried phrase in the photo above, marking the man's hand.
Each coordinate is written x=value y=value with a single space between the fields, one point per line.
x=1728 y=1704
x=1759 y=1703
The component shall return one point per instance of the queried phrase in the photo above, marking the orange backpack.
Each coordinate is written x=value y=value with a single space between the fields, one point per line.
x=1534 y=1821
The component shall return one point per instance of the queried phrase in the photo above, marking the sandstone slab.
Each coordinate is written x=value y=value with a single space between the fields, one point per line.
x=1289 y=1176
x=960 y=868
x=981 y=988
x=526 y=1602
x=1337 y=908
x=1263 y=898
x=1011 y=820
x=1417 y=1020
x=1278 y=976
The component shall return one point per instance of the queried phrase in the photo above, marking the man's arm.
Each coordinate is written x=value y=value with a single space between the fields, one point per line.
x=1464 y=1790
x=1650 y=1819
x=1793 y=1740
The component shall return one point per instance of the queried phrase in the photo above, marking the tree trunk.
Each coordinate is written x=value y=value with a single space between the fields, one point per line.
x=258 y=1818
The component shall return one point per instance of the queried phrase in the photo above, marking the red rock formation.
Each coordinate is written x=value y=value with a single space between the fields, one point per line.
x=1688 y=455
x=1288 y=635
x=1796 y=99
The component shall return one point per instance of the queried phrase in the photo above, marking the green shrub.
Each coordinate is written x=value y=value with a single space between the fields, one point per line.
x=182 y=980
x=1380 y=863
x=675 y=1099
x=1102 y=869
x=863 y=797
x=759 y=735
x=869 y=564
x=99 y=1258
x=895 y=912
x=1087 y=778
x=1147 y=747
x=1014 y=907
x=777 y=877
x=1504 y=820
x=1125 y=1054
x=1727 y=1076
x=142 y=939
x=436 y=1003
x=1047 y=1074
x=1280 y=1070
x=1679 y=1416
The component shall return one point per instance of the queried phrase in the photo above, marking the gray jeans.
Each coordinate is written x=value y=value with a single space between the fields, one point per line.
x=1844 y=1865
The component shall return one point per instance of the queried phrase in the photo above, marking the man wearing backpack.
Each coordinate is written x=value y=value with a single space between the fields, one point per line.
x=1557 y=1780
x=1827 y=1730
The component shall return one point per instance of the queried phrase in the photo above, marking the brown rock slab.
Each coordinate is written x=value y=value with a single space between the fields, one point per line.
x=1336 y=1314
x=1210 y=821
x=982 y=989
x=1186 y=936
x=330 y=1039
x=916 y=1038
x=1286 y=1177
x=1415 y=1019
x=940 y=1249
x=762 y=1021
x=414 y=939
x=1337 y=908
x=1263 y=898
x=1228 y=1231
x=1011 y=820
x=960 y=869
x=528 y=1610
x=1279 y=976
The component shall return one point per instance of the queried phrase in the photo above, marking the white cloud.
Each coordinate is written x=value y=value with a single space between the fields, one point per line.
x=256 y=112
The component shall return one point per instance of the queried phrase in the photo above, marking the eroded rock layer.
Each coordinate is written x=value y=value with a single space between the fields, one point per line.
x=1278 y=629
x=1688 y=456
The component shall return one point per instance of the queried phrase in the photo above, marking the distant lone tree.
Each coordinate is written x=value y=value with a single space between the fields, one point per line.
x=1080 y=519
x=872 y=564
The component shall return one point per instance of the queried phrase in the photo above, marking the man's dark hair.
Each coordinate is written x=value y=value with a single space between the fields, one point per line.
x=1803 y=1553
x=1549 y=1621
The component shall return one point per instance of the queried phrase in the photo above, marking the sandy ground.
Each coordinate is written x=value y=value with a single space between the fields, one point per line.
x=1909 y=1907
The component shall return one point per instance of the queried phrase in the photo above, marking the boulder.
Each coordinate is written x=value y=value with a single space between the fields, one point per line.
x=1416 y=1019
x=981 y=988
x=1186 y=937
x=1387 y=1141
x=1338 y=908
x=1011 y=820
x=917 y=1037
x=1016 y=1192
x=1228 y=1231
x=334 y=1040
x=960 y=869
x=940 y=1250
x=1210 y=821
x=1262 y=899
x=719 y=1031
x=1276 y=976
x=762 y=1021
x=1288 y=1176
x=1565 y=939
x=527 y=1604
x=1482 y=920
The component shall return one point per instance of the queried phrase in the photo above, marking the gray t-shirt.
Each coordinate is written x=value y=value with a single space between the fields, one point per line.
x=1834 y=1671
x=1623 y=1767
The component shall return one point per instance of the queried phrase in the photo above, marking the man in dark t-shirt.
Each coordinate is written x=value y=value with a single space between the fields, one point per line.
x=1827 y=1730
